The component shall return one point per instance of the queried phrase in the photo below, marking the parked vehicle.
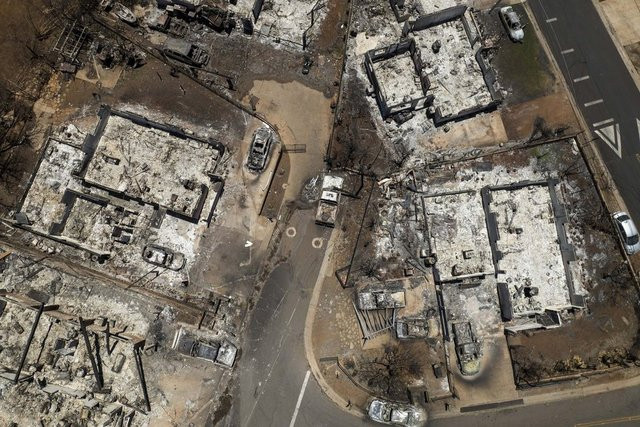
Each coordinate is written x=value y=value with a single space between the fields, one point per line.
x=259 y=151
x=124 y=13
x=186 y=52
x=628 y=232
x=467 y=348
x=392 y=413
x=221 y=353
x=512 y=23
x=163 y=257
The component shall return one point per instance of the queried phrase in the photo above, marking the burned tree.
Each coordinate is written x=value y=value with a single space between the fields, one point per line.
x=389 y=372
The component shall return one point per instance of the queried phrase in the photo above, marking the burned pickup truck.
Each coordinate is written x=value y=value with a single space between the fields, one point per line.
x=467 y=348
x=185 y=52
x=221 y=353
x=259 y=150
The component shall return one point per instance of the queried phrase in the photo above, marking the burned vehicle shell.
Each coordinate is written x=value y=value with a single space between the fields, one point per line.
x=221 y=353
x=163 y=257
x=186 y=52
x=467 y=348
x=259 y=150
x=392 y=413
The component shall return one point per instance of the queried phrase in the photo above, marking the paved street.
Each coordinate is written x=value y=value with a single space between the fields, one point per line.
x=601 y=86
x=616 y=408
x=274 y=387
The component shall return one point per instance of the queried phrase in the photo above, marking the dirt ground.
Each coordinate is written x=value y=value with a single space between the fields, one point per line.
x=555 y=109
x=523 y=69
x=26 y=35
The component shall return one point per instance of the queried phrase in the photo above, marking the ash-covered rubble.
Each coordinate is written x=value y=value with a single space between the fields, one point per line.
x=290 y=24
x=133 y=196
x=422 y=74
x=501 y=239
x=77 y=350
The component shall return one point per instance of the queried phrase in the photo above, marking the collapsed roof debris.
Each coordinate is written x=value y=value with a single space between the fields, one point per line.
x=129 y=174
x=456 y=88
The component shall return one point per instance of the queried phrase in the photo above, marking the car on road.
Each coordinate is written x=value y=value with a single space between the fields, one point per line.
x=628 y=232
x=512 y=23
x=396 y=414
x=467 y=348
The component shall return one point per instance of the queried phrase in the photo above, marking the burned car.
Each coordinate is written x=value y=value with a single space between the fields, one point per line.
x=223 y=353
x=376 y=299
x=186 y=52
x=259 y=151
x=414 y=328
x=391 y=413
x=467 y=348
x=163 y=257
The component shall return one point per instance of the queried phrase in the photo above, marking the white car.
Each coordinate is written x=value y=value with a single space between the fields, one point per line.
x=396 y=414
x=628 y=232
x=511 y=21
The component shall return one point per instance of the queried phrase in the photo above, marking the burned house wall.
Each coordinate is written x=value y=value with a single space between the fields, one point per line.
x=396 y=6
x=473 y=36
x=433 y=19
x=257 y=8
x=378 y=55
x=95 y=174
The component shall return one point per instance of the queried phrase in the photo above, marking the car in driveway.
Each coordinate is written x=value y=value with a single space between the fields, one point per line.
x=395 y=414
x=185 y=52
x=467 y=348
x=221 y=353
x=628 y=232
x=511 y=22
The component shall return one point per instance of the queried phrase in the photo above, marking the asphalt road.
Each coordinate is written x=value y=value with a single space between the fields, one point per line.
x=273 y=384
x=616 y=408
x=601 y=85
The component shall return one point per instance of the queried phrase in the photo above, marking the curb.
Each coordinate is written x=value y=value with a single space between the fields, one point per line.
x=612 y=33
x=308 y=346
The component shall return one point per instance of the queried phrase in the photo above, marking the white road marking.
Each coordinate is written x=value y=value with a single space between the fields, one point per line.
x=291 y=232
x=580 y=79
x=604 y=122
x=597 y=101
x=610 y=135
x=304 y=387
x=564 y=52
x=317 y=242
x=550 y=20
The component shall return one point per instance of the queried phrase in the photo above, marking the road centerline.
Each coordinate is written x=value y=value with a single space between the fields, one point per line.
x=580 y=79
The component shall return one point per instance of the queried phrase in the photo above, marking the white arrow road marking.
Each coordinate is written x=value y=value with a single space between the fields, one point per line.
x=611 y=136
